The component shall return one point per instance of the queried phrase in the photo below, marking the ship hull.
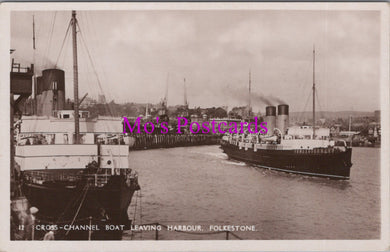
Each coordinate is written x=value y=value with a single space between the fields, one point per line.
x=79 y=208
x=335 y=165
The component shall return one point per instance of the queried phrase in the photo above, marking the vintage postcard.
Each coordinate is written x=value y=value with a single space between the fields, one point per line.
x=195 y=126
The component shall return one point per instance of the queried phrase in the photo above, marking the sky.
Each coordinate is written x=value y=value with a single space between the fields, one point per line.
x=136 y=53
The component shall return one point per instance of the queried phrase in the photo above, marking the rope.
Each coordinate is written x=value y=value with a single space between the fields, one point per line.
x=140 y=204
x=135 y=207
x=78 y=196
x=134 y=215
x=77 y=212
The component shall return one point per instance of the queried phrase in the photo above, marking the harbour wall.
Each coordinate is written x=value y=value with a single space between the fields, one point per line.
x=147 y=141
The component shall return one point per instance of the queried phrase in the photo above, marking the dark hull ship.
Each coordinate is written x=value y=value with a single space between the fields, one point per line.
x=322 y=162
x=73 y=203
x=307 y=150
x=73 y=169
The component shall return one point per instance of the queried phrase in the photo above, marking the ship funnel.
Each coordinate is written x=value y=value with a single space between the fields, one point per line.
x=282 y=122
x=50 y=91
x=270 y=118
x=54 y=79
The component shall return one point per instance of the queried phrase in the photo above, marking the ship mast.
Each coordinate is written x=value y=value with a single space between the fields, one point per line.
x=185 y=94
x=33 y=33
x=34 y=79
x=166 y=91
x=314 y=94
x=249 y=95
x=75 y=79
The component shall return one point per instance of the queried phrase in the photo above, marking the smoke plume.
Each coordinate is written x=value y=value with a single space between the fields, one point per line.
x=242 y=96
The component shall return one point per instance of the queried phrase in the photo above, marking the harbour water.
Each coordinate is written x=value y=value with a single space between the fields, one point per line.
x=200 y=186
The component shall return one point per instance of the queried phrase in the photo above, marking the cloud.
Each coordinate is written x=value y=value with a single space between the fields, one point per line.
x=134 y=50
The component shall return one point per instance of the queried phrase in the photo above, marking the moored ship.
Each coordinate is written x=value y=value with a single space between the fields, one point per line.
x=84 y=183
x=74 y=169
x=307 y=150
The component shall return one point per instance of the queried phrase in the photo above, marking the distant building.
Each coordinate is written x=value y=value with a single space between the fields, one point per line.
x=377 y=114
x=348 y=133
x=239 y=112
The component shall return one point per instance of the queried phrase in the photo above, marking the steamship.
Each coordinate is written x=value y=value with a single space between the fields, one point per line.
x=306 y=150
x=72 y=167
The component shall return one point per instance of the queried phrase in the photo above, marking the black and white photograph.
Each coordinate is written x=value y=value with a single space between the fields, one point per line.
x=197 y=122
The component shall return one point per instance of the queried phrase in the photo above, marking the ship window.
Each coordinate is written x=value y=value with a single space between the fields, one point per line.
x=84 y=115
x=66 y=116
x=54 y=85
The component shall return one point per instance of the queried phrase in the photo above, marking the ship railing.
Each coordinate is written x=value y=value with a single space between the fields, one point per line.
x=40 y=177
x=51 y=138
x=266 y=146
x=248 y=145
x=318 y=151
x=97 y=180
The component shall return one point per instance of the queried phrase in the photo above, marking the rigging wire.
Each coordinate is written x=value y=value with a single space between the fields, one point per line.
x=303 y=88
x=63 y=43
x=47 y=50
x=321 y=112
x=92 y=31
x=302 y=113
x=91 y=60
x=65 y=52
x=319 y=105
x=94 y=69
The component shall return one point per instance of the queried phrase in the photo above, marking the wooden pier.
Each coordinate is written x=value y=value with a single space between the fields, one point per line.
x=153 y=141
